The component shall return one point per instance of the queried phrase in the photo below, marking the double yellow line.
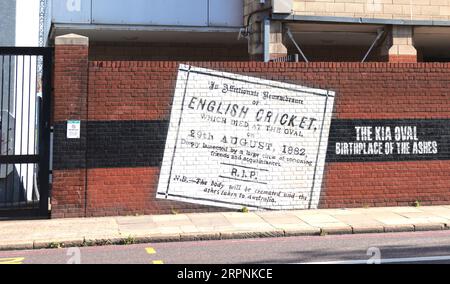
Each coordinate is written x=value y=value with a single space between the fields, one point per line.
x=17 y=260
x=152 y=251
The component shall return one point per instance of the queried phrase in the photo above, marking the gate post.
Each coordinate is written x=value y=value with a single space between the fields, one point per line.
x=70 y=104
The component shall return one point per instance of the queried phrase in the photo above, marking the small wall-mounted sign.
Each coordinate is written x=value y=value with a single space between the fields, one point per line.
x=73 y=129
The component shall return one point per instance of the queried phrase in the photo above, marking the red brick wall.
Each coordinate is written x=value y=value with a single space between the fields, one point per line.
x=129 y=191
x=70 y=82
x=402 y=58
x=69 y=102
x=68 y=193
x=386 y=184
x=135 y=90
x=142 y=91
x=168 y=51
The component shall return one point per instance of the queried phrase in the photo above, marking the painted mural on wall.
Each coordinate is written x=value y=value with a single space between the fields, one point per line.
x=237 y=141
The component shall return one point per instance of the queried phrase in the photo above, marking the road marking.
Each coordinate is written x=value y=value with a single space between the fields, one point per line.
x=387 y=260
x=17 y=260
x=158 y=262
x=150 y=250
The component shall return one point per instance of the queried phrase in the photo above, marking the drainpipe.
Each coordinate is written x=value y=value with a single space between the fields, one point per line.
x=266 y=39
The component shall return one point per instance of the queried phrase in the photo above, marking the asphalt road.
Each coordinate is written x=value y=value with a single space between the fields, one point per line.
x=419 y=247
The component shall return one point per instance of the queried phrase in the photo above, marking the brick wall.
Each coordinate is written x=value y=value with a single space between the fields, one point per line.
x=129 y=103
x=173 y=51
x=69 y=102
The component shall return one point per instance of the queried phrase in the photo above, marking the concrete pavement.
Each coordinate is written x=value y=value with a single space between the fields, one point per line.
x=215 y=226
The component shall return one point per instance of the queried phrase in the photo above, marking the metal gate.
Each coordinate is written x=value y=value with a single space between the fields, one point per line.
x=25 y=82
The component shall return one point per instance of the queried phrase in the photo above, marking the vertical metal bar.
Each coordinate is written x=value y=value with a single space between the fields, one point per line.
x=266 y=39
x=28 y=132
x=44 y=147
x=36 y=128
x=21 y=184
x=1 y=124
x=7 y=123
x=29 y=110
x=15 y=169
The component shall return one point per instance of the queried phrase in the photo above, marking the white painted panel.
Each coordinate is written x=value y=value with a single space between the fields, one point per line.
x=71 y=11
x=226 y=13
x=151 y=12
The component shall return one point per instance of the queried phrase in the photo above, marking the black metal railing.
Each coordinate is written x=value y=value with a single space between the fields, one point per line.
x=288 y=58
x=25 y=87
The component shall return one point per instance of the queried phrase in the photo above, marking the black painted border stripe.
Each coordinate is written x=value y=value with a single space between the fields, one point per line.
x=112 y=144
x=117 y=144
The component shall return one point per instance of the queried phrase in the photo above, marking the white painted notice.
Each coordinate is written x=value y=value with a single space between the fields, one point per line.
x=237 y=141
x=73 y=129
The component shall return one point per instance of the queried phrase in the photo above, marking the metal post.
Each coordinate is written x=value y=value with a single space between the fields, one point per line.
x=44 y=145
x=266 y=39
x=291 y=37
x=380 y=34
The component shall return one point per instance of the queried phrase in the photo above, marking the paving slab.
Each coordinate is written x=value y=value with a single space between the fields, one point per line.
x=135 y=220
x=433 y=208
x=371 y=210
x=169 y=218
x=406 y=210
x=359 y=221
x=316 y=220
x=247 y=221
x=422 y=217
x=137 y=229
x=276 y=219
x=389 y=218
x=339 y=212
x=214 y=219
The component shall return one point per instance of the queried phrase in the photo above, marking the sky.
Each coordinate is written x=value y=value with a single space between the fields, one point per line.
x=27 y=23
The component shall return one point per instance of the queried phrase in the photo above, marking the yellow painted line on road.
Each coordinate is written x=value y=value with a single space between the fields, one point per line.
x=150 y=250
x=17 y=260
x=158 y=262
